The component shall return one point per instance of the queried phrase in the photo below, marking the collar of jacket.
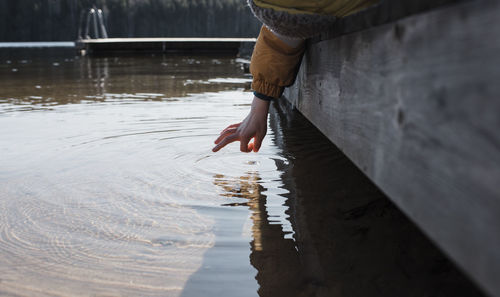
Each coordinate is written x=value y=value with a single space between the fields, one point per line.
x=296 y=25
x=303 y=19
x=338 y=8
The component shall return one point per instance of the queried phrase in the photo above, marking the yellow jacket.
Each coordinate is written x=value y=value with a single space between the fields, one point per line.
x=275 y=60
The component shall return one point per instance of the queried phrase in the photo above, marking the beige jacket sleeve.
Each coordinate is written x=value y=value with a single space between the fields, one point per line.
x=274 y=63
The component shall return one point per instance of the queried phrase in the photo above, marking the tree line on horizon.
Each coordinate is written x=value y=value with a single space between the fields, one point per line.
x=59 y=20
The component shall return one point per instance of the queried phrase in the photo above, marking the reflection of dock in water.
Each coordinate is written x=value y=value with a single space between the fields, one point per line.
x=350 y=239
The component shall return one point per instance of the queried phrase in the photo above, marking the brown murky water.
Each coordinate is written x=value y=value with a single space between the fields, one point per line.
x=108 y=187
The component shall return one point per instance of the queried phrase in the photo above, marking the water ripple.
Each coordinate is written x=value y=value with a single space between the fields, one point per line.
x=108 y=185
x=111 y=200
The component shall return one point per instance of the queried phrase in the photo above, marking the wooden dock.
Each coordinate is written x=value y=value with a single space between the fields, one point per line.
x=412 y=98
x=196 y=46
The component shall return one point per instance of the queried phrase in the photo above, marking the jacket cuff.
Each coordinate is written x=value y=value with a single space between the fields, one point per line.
x=267 y=89
x=263 y=97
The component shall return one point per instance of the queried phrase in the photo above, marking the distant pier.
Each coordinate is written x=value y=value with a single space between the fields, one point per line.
x=201 y=46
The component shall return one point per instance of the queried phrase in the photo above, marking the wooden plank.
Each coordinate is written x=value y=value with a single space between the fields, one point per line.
x=384 y=12
x=183 y=39
x=227 y=46
x=416 y=105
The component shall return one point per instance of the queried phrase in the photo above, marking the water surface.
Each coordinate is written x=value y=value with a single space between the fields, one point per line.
x=108 y=184
x=108 y=187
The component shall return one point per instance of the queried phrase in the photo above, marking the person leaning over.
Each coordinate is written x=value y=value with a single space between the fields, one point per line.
x=277 y=56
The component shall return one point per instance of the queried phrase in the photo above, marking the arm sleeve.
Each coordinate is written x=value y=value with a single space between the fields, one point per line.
x=274 y=64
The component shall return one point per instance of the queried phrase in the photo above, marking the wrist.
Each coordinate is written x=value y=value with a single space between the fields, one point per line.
x=260 y=106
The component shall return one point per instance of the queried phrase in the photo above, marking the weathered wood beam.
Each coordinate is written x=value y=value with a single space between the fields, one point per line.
x=415 y=104
x=384 y=12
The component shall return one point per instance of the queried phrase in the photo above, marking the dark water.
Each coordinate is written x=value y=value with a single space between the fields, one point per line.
x=108 y=187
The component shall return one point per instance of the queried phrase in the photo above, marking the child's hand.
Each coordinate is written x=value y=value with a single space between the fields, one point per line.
x=253 y=126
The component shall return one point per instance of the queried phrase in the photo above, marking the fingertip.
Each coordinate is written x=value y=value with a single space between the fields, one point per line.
x=217 y=148
x=244 y=146
x=220 y=138
x=257 y=144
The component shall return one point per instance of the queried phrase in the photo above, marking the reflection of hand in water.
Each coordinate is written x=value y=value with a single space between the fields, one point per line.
x=246 y=187
x=275 y=258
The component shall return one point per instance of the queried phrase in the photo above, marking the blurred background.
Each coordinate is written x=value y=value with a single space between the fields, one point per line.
x=58 y=20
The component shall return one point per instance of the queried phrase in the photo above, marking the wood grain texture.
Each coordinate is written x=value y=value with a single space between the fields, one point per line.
x=384 y=12
x=416 y=105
